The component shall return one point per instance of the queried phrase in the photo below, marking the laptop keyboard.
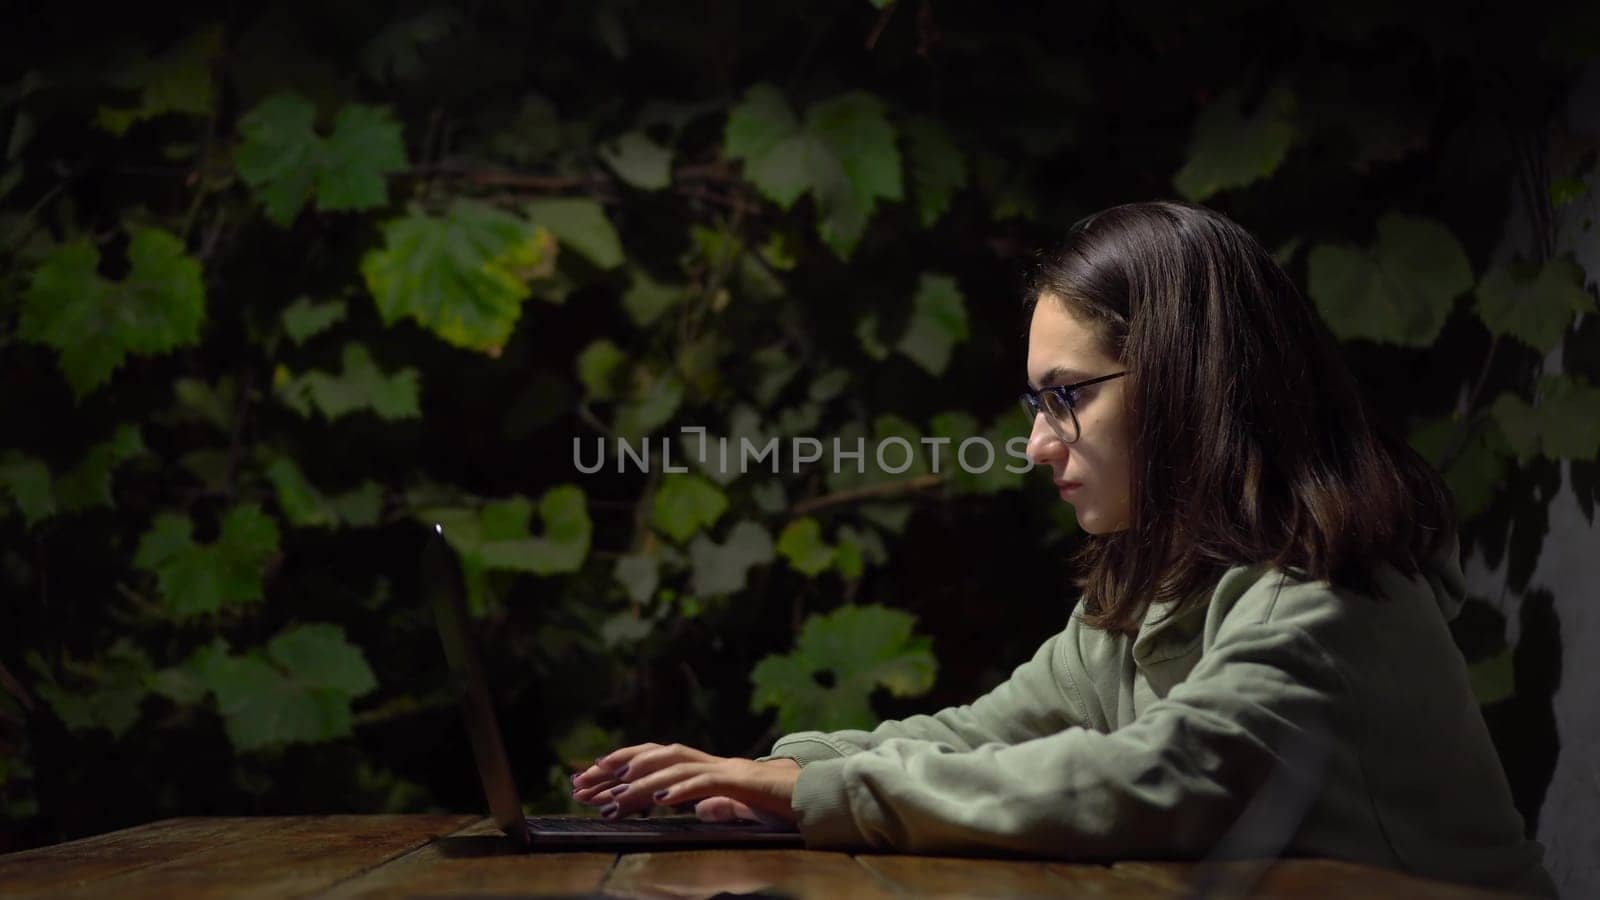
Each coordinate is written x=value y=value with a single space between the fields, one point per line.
x=651 y=825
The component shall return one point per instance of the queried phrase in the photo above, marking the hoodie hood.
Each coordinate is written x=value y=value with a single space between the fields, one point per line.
x=1445 y=578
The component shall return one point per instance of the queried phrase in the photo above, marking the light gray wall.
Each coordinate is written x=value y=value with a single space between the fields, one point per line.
x=1568 y=568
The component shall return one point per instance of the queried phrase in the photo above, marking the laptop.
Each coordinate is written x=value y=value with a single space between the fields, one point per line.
x=443 y=582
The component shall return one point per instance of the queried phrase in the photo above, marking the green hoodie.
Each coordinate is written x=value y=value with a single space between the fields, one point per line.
x=1283 y=717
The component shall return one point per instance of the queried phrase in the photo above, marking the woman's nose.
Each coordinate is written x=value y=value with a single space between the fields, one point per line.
x=1043 y=442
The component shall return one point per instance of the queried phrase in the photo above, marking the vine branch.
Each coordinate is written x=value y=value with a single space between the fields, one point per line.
x=869 y=492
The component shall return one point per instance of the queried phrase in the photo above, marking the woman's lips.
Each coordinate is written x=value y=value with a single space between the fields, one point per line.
x=1068 y=488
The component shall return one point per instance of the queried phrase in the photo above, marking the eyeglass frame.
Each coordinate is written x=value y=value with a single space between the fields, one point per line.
x=1032 y=405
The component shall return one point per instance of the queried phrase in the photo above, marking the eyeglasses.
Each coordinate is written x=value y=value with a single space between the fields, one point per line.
x=1059 y=404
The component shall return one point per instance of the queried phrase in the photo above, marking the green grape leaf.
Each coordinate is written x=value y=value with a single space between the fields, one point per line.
x=891 y=517
x=763 y=132
x=844 y=155
x=213 y=405
x=938 y=167
x=94 y=323
x=1519 y=422
x=178 y=81
x=1493 y=679
x=724 y=568
x=283 y=159
x=581 y=224
x=938 y=323
x=298 y=689
x=1399 y=292
x=531 y=134
x=366 y=144
x=318 y=656
x=856 y=132
x=361 y=507
x=497 y=537
x=305 y=319
x=686 y=503
x=893 y=438
x=651 y=408
x=864 y=545
x=770 y=497
x=867 y=337
x=1565 y=424
x=639 y=574
x=114 y=700
x=861 y=648
x=462 y=276
x=1536 y=310
x=646 y=299
x=959 y=428
x=396 y=53
x=848 y=560
x=361 y=385
x=639 y=161
x=302 y=504
x=800 y=544
x=561 y=548
x=211 y=467
x=1567 y=190
x=196 y=579
x=261 y=707
x=1571 y=411
x=828 y=385
x=624 y=629
x=1230 y=150
x=88 y=484
x=1477 y=472
x=27 y=481
x=599 y=365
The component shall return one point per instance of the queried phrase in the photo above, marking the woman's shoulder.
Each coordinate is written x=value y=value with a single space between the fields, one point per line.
x=1265 y=595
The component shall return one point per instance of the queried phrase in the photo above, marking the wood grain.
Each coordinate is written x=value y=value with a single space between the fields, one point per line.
x=945 y=876
x=50 y=871
x=1307 y=878
x=342 y=857
x=706 y=873
x=478 y=860
x=304 y=855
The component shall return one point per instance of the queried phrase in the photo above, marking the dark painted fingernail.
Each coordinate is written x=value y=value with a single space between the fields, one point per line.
x=620 y=773
x=619 y=790
x=575 y=777
x=661 y=794
x=609 y=810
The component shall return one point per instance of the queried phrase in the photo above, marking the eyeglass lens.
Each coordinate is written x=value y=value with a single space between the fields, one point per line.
x=1057 y=412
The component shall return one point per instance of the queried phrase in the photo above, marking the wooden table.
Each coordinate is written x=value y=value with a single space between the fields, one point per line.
x=459 y=855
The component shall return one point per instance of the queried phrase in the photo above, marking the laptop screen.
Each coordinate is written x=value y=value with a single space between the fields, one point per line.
x=442 y=580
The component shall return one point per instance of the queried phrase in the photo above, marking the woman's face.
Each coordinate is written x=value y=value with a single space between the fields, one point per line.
x=1063 y=350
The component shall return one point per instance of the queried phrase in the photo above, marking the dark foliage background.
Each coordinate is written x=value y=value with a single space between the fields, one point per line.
x=283 y=283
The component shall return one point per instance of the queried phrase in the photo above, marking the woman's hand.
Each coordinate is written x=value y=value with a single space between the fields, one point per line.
x=633 y=778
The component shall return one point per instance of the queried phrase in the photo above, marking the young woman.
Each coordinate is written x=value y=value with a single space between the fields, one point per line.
x=1260 y=662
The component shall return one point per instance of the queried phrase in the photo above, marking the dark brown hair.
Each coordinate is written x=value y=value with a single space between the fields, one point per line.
x=1249 y=437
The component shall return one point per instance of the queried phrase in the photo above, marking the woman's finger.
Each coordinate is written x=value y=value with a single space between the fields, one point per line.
x=737 y=779
x=594 y=792
x=632 y=796
x=716 y=809
x=725 y=809
x=613 y=765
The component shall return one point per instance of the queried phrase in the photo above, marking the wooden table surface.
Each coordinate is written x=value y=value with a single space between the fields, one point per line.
x=461 y=855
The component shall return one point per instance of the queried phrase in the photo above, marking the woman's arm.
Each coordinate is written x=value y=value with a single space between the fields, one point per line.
x=1169 y=783
x=1042 y=696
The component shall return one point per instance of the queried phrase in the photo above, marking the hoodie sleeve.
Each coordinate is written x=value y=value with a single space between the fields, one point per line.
x=1171 y=782
x=1041 y=697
